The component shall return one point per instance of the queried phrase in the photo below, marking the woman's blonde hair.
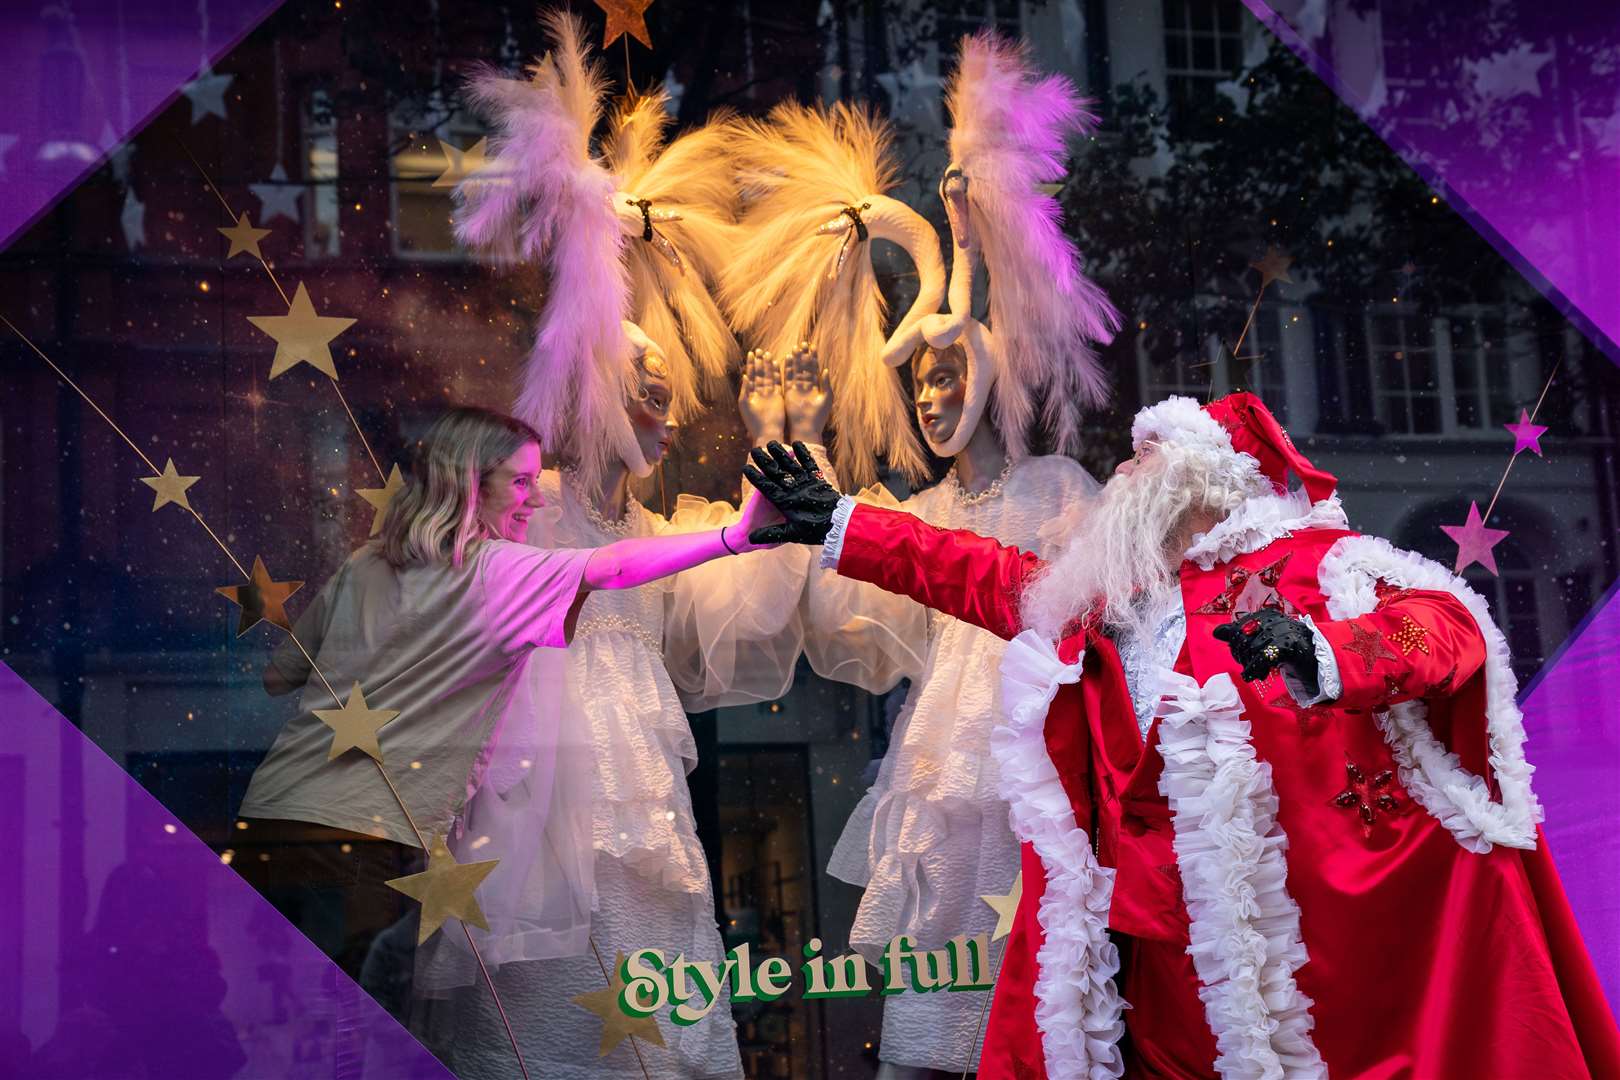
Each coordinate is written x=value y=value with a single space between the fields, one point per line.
x=435 y=515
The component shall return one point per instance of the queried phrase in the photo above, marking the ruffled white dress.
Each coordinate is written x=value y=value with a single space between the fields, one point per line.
x=931 y=837
x=729 y=633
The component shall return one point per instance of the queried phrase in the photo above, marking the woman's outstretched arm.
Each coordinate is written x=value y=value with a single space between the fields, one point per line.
x=626 y=564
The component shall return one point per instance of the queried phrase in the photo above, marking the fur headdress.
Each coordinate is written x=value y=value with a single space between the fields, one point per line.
x=812 y=183
x=1009 y=135
x=627 y=235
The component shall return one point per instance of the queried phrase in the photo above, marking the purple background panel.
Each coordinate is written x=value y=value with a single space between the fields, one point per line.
x=77 y=85
x=134 y=951
x=1572 y=715
x=1512 y=114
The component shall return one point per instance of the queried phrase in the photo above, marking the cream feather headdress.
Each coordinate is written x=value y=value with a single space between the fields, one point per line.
x=1009 y=136
x=626 y=238
x=812 y=183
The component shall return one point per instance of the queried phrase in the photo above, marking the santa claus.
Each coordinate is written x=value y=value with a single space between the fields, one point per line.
x=1268 y=776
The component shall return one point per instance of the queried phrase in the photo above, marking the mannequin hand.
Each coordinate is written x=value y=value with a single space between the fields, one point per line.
x=808 y=394
x=1269 y=639
x=794 y=484
x=759 y=399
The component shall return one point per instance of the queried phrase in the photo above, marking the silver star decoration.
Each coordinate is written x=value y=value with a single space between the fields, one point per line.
x=277 y=197
x=207 y=94
x=1509 y=73
x=133 y=219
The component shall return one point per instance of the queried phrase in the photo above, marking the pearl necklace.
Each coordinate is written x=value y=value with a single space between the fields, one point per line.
x=620 y=527
x=966 y=498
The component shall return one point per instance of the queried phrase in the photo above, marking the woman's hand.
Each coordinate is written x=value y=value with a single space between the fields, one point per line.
x=807 y=393
x=759 y=400
x=757 y=513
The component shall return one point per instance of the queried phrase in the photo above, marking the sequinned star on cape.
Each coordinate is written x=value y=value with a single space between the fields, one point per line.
x=1526 y=436
x=617 y=1025
x=1273 y=266
x=302 y=336
x=1474 y=541
x=244 y=237
x=1367 y=644
x=1005 y=907
x=170 y=487
x=355 y=726
x=379 y=498
x=1250 y=590
x=261 y=599
x=445 y=889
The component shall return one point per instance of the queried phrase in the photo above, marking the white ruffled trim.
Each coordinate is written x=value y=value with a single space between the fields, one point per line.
x=1329 y=683
x=1077 y=1005
x=1262 y=519
x=1245 y=936
x=1433 y=775
x=833 y=546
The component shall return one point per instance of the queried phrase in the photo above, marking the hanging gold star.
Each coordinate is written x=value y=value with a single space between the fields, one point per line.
x=618 y=1025
x=354 y=727
x=302 y=336
x=1273 y=266
x=379 y=498
x=445 y=889
x=170 y=487
x=462 y=163
x=244 y=237
x=625 y=17
x=1005 y=907
x=261 y=599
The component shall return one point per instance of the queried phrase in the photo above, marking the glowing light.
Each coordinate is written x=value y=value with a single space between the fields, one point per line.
x=345 y=848
x=202 y=286
x=170 y=829
x=241 y=825
x=226 y=856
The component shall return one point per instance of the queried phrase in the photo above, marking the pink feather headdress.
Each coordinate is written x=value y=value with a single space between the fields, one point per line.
x=626 y=238
x=1010 y=132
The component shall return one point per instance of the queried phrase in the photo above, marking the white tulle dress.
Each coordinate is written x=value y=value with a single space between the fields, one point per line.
x=931 y=837
x=729 y=633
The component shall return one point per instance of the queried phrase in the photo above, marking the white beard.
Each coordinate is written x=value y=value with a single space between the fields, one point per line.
x=1123 y=559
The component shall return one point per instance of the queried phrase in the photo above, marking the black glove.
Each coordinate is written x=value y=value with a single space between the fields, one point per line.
x=1266 y=639
x=794 y=485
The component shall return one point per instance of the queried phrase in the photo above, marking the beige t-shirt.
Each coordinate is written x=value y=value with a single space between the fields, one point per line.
x=442 y=644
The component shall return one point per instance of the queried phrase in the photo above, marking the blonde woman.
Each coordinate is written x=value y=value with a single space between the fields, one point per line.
x=437 y=618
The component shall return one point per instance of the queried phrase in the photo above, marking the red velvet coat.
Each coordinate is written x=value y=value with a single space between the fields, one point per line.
x=1420 y=930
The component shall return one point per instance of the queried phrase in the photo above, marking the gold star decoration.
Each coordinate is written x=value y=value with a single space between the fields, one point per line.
x=1005 y=907
x=1273 y=266
x=261 y=599
x=354 y=727
x=379 y=498
x=1411 y=635
x=618 y=1025
x=302 y=336
x=244 y=237
x=462 y=163
x=445 y=890
x=170 y=487
x=625 y=17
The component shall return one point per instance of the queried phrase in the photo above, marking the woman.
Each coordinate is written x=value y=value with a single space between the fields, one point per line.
x=436 y=619
x=626 y=234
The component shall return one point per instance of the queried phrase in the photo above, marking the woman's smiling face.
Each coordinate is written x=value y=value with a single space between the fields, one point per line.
x=510 y=494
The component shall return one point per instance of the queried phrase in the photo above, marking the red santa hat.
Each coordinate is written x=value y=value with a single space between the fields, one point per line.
x=1240 y=432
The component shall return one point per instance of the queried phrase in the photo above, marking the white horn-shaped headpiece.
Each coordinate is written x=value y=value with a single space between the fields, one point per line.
x=812 y=183
x=625 y=239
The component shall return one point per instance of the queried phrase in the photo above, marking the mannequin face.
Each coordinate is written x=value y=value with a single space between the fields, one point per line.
x=510 y=494
x=649 y=410
x=939 y=389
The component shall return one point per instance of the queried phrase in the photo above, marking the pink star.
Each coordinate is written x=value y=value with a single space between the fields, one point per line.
x=1474 y=541
x=1526 y=436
